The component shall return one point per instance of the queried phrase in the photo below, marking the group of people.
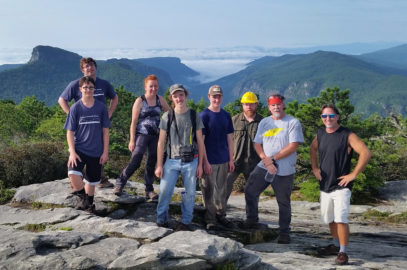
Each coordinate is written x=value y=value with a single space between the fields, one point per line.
x=213 y=147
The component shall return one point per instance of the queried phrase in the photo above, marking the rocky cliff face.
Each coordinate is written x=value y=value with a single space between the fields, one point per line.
x=123 y=234
x=54 y=55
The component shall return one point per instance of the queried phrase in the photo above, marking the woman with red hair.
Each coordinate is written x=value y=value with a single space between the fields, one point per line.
x=144 y=132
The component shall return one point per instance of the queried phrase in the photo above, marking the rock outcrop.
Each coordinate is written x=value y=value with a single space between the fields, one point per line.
x=39 y=229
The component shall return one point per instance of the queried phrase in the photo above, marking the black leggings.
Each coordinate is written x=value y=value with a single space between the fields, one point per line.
x=143 y=143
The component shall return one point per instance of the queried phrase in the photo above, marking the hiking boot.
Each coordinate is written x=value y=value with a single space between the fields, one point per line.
x=104 y=183
x=225 y=222
x=328 y=250
x=342 y=258
x=248 y=224
x=182 y=227
x=284 y=239
x=91 y=209
x=83 y=202
x=151 y=195
x=118 y=190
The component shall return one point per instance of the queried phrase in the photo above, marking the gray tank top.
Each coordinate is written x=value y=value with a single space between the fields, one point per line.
x=149 y=118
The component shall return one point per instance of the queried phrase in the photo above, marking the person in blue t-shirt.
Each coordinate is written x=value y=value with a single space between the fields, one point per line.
x=87 y=127
x=103 y=90
x=218 y=138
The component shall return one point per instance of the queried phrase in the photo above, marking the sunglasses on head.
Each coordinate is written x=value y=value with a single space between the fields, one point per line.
x=331 y=115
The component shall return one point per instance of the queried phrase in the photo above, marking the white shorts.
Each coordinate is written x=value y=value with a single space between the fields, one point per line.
x=335 y=206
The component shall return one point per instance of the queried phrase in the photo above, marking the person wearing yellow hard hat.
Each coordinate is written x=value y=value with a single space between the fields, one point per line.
x=245 y=127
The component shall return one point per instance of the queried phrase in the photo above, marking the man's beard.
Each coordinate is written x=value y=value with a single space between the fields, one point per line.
x=277 y=114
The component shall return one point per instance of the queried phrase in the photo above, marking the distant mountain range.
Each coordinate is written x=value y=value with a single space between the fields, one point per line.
x=373 y=87
x=378 y=80
x=50 y=70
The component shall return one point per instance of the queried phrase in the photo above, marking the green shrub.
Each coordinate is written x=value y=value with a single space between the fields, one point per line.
x=33 y=227
x=386 y=217
x=68 y=229
x=310 y=190
x=116 y=163
x=239 y=184
x=6 y=194
x=32 y=163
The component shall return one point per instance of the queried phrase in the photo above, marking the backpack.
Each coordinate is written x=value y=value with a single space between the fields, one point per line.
x=171 y=117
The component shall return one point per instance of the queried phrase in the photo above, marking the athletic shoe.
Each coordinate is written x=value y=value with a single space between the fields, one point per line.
x=328 y=250
x=342 y=258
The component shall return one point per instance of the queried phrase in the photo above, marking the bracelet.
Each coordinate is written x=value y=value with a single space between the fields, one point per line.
x=274 y=161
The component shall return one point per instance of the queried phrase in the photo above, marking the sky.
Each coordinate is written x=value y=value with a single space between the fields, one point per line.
x=137 y=28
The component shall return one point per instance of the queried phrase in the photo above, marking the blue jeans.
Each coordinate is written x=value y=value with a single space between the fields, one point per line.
x=172 y=169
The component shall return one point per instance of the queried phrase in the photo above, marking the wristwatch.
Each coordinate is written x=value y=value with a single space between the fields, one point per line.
x=274 y=161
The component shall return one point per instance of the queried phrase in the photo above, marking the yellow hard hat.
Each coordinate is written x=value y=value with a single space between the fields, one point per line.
x=249 y=97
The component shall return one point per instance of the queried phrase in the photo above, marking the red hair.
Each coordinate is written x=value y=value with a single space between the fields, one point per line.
x=151 y=77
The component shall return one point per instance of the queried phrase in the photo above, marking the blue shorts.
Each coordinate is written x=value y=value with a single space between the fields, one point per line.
x=93 y=169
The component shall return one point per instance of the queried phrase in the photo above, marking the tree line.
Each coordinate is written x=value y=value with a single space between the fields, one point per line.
x=34 y=150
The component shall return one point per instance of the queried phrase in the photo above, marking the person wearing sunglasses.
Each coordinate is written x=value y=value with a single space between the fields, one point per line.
x=276 y=143
x=334 y=145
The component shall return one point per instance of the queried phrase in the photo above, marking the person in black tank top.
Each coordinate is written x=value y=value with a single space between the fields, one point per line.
x=144 y=131
x=334 y=145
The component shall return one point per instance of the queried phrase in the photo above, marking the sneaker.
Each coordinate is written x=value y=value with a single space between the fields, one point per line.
x=104 y=183
x=225 y=222
x=182 y=227
x=342 y=258
x=118 y=190
x=151 y=195
x=248 y=224
x=328 y=250
x=284 y=239
x=163 y=225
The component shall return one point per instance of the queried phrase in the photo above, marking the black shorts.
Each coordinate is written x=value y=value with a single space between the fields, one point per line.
x=93 y=168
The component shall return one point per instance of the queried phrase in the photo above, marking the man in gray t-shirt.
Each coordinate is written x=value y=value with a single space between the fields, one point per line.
x=276 y=143
x=185 y=157
x=183 y=137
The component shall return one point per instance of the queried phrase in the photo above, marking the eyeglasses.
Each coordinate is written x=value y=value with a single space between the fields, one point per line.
x=331 y=115
x=88 y=88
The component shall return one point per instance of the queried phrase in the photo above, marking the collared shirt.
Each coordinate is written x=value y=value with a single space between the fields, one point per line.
x=243 y=137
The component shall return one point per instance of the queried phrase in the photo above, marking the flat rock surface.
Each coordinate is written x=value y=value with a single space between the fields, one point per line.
x=123 y=234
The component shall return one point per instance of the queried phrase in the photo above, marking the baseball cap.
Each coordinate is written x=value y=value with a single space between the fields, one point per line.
x=215 y=90
x=177 y=87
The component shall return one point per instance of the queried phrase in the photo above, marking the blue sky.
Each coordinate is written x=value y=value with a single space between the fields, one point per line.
x=199 y=24
x=195 y=30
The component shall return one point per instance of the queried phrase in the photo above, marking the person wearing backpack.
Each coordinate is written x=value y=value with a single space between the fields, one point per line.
x=181 y=136
x=144 y=131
